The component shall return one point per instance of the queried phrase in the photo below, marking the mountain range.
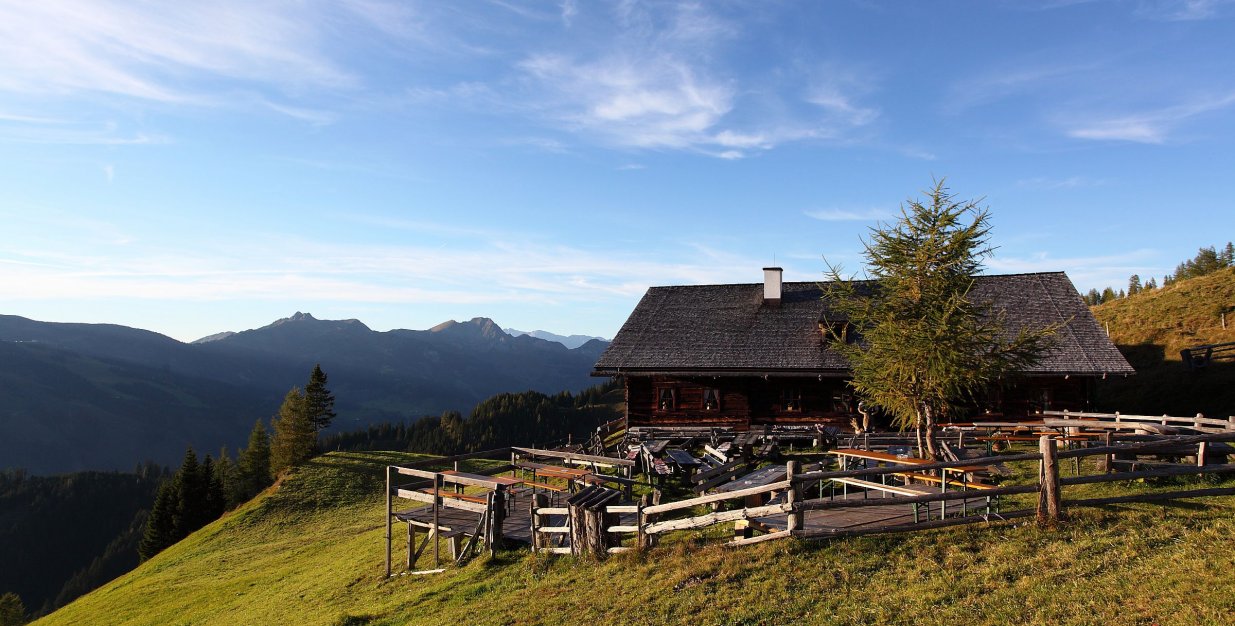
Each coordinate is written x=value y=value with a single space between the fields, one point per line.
x=102 y=396
x=570 y=341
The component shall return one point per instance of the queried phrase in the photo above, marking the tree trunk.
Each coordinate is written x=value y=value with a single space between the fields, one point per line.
x=917 y=431
x=931 y=448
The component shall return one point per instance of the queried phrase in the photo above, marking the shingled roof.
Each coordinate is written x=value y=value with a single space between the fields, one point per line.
x=727 y=329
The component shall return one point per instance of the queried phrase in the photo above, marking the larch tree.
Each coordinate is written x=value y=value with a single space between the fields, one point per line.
x=295 y=438
x=919 y=346
x=253 y=464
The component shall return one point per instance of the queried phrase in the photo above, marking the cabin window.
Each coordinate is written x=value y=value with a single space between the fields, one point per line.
x=791 y=400
x=667 y=400
x=711 y=399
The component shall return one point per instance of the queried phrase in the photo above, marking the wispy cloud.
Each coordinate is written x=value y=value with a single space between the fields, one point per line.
x=659 y=85
x=1071 y=182
x=1152 y=126
x=145 y=51
x=297 y=270
x=848 y=215
x=1085 y=271
x=1184 y=10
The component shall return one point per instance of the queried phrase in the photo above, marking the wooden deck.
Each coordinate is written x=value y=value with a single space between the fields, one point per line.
x=892 y=514
x=517 y=526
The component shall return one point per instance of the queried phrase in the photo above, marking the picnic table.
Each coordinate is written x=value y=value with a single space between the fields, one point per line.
x=758 y=478
x=848 y=456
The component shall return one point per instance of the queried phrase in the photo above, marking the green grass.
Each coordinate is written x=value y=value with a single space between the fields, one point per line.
x=310 y=552
x=1151 y=328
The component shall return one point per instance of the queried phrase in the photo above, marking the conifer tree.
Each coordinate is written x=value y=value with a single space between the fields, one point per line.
x=1134 y=285
x=927 y=347
x=294 y=435
x=214 y=502
x=1151 y=284
x=12 y=610
x=1109 y=295
x=161 y=523
x=190 y=492
x=319 y=402
x=253 y=464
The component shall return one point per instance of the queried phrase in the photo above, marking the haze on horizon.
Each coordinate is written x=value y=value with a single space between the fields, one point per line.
x=192 y=169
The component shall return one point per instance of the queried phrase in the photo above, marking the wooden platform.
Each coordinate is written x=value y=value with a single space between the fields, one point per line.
x=892 y=514
x=516 y=527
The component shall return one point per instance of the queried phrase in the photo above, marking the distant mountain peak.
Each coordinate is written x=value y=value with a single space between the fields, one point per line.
x=477 y=326
x=572 y=341
x=215 y=337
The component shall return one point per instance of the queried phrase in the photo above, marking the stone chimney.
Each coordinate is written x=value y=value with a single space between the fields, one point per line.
x=772 y=285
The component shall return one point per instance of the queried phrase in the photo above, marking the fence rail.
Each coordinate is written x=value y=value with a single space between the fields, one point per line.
x=1051 y=507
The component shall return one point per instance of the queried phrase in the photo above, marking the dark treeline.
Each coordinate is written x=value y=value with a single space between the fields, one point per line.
x=528 y=418
x=1207 y=261
x=200 y=492
x=61 y=536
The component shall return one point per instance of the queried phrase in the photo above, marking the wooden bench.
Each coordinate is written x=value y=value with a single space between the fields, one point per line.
x=952 y=482
x=895 y=490
x=457 y=496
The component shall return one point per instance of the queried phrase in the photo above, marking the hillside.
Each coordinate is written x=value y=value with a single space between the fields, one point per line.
x=309 y=551
x=1151 y=328
x=98 y=396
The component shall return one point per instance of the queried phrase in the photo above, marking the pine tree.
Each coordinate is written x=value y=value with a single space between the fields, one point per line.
x=1152 y=284
x=1093 y=298
x=319 y=402
x=161 y=523
x=1134 y=285
x=294 y=436
x=1227 y=256
x=926 y=347
x=190 y=511
x=12 y=610
x=1109 y=295
x=213 y=500
x=253 y=464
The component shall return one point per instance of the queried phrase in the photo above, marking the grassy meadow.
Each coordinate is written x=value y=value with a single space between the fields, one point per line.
x=309 y=551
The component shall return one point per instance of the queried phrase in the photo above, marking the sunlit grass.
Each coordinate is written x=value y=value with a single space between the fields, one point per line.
x=311 y=552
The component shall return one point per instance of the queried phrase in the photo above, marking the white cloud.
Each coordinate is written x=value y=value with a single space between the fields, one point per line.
x=847 y=215
x=1071 y=182
x=1085 y=271
x=1183 y=10
x=146 y=50
x=1151 y=127
x=481 y=268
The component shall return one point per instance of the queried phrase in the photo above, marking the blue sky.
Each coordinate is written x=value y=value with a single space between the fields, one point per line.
x=193 y=168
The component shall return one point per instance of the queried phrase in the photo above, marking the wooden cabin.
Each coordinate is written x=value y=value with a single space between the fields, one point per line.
x=751 y=354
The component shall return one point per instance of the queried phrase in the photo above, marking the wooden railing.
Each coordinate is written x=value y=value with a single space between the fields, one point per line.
x=1050 y=509
x=1197 y=422
x=1203 y=356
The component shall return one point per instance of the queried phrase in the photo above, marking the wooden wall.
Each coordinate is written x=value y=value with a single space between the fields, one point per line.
x=744 y=401
x=748 y=401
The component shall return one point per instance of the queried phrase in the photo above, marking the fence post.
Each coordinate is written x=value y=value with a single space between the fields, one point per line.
x=1049 y=506
x=437 y=531
x=1108 y=461
x=794 y=521
x=1202 y=449
x=497 y=512
x=641 y=522
x=388 y=515
x=539 y=500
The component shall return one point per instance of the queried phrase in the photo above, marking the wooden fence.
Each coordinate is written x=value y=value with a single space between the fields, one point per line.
x=1199 y=422
x=1051 y=504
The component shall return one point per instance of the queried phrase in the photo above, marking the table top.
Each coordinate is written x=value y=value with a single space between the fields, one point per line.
x=501 y=480
x=877 y=456
x=892 y=458
x=758 y=478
